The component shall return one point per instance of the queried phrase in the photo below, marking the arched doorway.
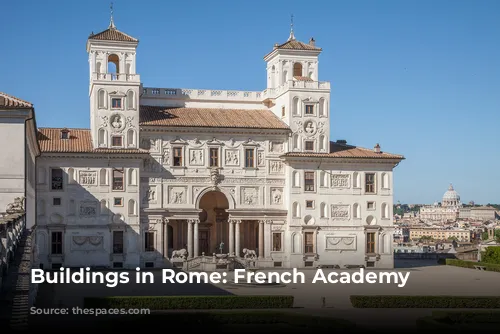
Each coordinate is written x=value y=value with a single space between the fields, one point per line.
x=213 y=229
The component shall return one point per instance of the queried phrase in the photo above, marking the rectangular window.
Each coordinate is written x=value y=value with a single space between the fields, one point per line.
x=116 y=103
x=149 y=241
x=57 y=178
x=283 y=111
x=64 y=135
x=309 y=145
x=309 y=242
x=370 y=243
x=214 y=157
x=56 y=201
x=249 y=158
x=309 y=109
x=56 y=243
x=178 y=156
x=118 y=201
x=117 y=141
x=370 y=183
x=117 y=242
x=309 y=181
x=370 y=205
x=309 y=204
x=277 y=242
x=118 y=179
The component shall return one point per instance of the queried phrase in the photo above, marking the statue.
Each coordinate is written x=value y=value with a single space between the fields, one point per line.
x=249 y=254
x=180 y=254
x=221 y=246
x=215 y=176
x=16 y=207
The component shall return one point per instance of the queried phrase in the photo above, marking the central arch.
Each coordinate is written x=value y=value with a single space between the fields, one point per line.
x=213 y=227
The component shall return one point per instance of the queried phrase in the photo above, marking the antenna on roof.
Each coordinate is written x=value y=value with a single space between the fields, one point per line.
x=111 y=22
x=292 y=36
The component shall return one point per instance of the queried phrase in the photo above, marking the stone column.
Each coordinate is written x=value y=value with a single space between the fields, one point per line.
x=261 y=239
x=267 y=238
x=237 y=238
x=190 y=238
x=196 y=238
x=231 y=237
x=165 y=238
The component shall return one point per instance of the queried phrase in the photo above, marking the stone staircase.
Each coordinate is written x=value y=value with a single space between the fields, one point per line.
x=17 y=294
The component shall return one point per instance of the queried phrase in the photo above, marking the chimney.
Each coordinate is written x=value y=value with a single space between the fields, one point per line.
x=377 y=148
x=312 y=42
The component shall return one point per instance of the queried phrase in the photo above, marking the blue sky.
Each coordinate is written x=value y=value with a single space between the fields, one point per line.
x=422 y=78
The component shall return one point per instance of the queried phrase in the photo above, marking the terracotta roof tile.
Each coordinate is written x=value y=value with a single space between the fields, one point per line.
x=294 y=44
x=346 y=151
x=210 y=117
x=80 y=141
x=113 y=34
x=11 y=102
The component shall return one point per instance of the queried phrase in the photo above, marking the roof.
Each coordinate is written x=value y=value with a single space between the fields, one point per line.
x=210 y=117
x=338 y=150
x=293 y=44
x=11 y=102
x=113 y=34
x=80 y=141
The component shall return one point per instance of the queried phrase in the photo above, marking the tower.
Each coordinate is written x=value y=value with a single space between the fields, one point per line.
x=114 y=89
x=295 y=94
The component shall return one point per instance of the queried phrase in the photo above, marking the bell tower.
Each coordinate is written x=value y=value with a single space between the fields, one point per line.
x=113 y=89
x=295 y=94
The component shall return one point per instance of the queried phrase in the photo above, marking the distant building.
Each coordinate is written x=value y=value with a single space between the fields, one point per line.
x=448 y=210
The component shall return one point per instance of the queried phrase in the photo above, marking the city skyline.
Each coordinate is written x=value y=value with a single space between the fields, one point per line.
x=415 y=86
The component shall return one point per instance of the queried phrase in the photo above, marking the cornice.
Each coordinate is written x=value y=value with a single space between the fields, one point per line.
x=215 y=130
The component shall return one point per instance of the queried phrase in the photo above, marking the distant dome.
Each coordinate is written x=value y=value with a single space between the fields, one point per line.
x=451 y=195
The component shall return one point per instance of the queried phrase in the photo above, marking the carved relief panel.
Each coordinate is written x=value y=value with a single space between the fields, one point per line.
x=87 y=243
x=340 y=211
x=276 y=167
x=261 y=158
x=276 y=147
x=276 y=196
x=87 y=178
x=341 y=181
x=150 y=195
x=88 y=209
x=249 y=196
x=177 y=195
x=232 y=158
x=196 y=157
x=340 y=243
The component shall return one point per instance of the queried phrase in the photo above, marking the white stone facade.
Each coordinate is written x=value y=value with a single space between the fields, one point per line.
x=280 y=196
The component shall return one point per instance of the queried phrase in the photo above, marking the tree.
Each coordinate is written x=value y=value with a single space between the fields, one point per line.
x=491 y=255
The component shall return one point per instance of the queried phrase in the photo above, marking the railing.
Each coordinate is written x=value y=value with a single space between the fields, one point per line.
x=116 y=77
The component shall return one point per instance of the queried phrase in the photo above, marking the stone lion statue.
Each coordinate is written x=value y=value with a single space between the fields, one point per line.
x=249 y=254
x=17 y=206
x=180 y=254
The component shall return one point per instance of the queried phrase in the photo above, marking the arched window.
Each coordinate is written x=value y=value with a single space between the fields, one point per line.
x=322 y=107
x=103 y=177
x=296 y=179
x=131 y=208
x=72 y=207
x=297 y=70
x=98 y=67
x=324 y=210
x=322 y=179
x=273 y=77
x=132 y=176
x=130 y=100
x=131 y=137
x=102 y=137
x=295 y=106
x=113 y=64
x=41 y=208
x=385 y=211
x=385 y=181
x=128 y=69
x=356 y=211
x=295 y=140
x=296 y=210
x=356 y=180
x=101 y=99
x=322 y=143
x=295 y=243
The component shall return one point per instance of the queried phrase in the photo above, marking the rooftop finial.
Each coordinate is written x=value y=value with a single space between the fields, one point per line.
x=292 y=36
x=111 y=22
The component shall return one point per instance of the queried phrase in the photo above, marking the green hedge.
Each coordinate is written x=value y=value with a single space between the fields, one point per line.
x=234 y=319
x=471 y=264
x=460 y=321
x=425 y=302
x=491 y=255
x=191 y=302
